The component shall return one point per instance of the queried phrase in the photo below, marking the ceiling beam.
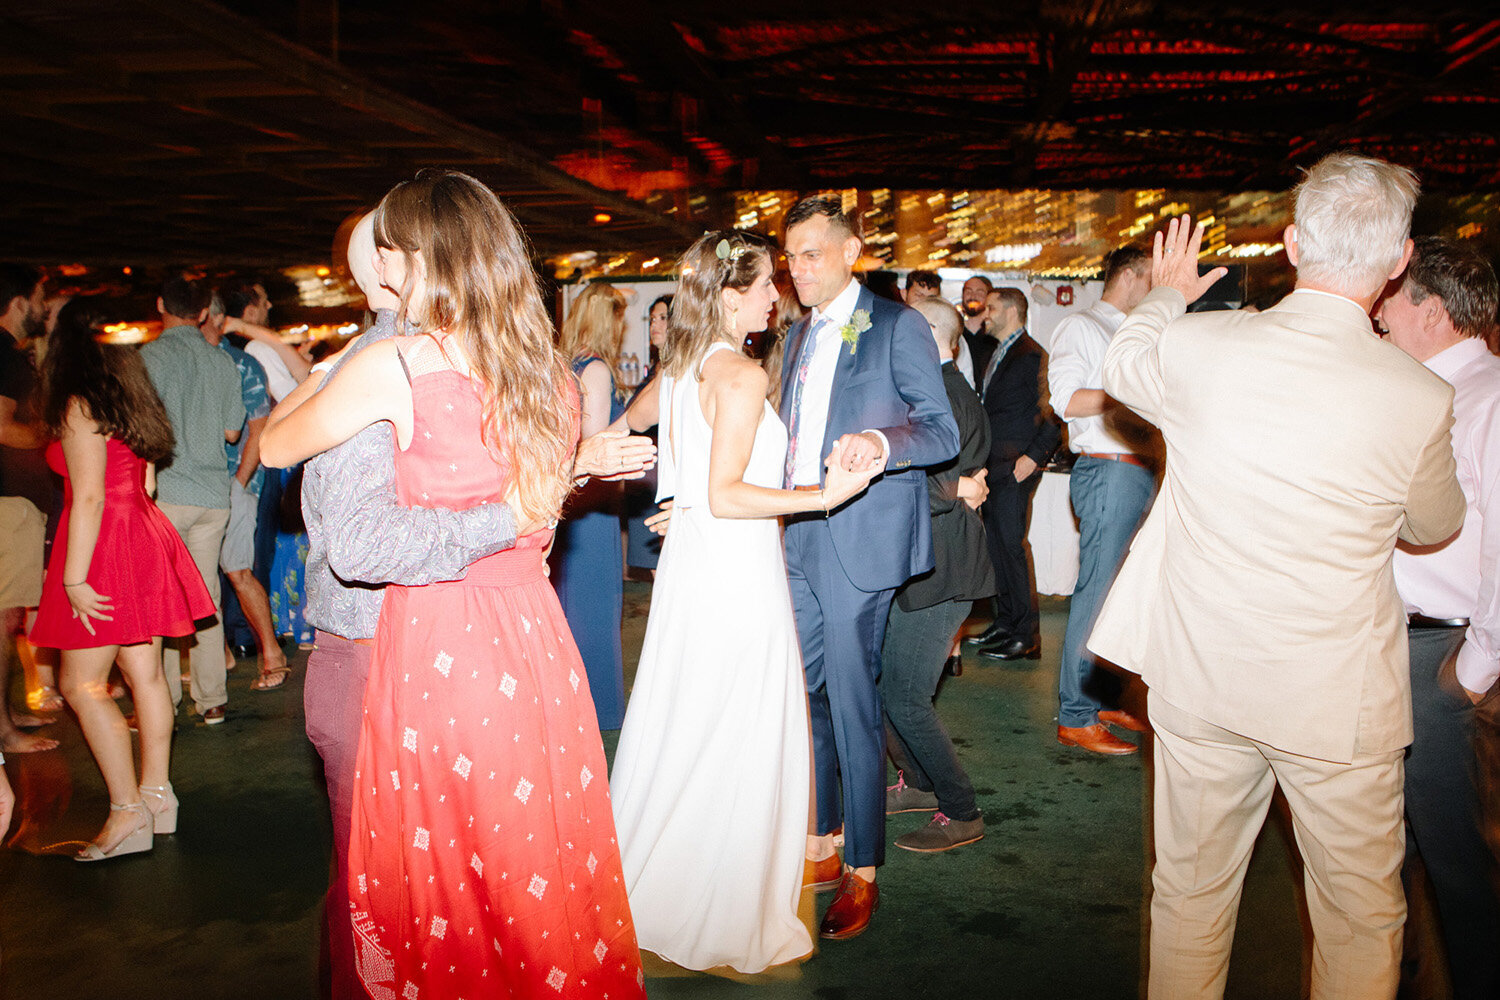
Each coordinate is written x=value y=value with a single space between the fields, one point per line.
x=280 y=59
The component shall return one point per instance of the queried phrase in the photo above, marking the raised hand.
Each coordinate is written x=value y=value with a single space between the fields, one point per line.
x=1174 y=260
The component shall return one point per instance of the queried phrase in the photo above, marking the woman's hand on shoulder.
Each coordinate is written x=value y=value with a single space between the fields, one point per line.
x=371 y=387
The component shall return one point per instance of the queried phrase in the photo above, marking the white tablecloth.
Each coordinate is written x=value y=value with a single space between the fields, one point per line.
x=1053 y=536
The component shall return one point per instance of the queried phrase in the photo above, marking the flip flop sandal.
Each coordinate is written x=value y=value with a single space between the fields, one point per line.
x=270 y=680
x=45 y=699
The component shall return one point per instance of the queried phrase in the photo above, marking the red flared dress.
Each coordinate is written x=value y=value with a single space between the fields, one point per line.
x=482 y=856
x=139 y=563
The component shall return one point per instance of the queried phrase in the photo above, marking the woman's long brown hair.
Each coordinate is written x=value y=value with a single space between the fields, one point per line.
x=110 y=381
x=697 y=320
x=482 y=290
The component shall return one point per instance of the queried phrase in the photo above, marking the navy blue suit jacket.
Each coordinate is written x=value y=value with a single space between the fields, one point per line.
x=891 y=382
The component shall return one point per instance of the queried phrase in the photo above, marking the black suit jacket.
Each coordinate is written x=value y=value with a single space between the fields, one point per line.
x=1021 y=421
x=961 y=563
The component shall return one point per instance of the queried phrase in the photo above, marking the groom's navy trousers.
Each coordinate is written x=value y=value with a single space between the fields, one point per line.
x=841 y=628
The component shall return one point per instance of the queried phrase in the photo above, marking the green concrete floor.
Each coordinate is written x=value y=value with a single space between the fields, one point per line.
x=1050 y=904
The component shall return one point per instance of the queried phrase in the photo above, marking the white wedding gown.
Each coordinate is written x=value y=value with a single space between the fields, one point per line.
x=710 y=783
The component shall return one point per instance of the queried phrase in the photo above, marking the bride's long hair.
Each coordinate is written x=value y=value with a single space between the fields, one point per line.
x=482 y=290
x=725 y=258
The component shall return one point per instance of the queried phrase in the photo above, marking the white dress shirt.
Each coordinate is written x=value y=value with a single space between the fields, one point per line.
x=817 y=391
x=1461 y=577
x=1076 y=361
x=965 y=361
x=279 y=379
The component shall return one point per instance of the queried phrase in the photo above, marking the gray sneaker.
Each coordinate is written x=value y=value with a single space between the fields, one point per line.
x=902 y=798
x=942 y=834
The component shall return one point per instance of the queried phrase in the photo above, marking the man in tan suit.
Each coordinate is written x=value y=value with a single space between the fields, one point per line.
x=1258 y=600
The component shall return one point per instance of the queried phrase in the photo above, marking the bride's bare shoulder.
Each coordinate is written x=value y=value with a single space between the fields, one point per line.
x=733 y=371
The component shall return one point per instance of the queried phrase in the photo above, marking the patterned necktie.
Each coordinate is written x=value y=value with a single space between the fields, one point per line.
x=804 y=361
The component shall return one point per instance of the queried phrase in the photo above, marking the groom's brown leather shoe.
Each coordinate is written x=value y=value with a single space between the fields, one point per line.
x=822 y=875
x=851 y=910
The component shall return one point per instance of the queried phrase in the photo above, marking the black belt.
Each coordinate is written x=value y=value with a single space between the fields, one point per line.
x=1422 y=621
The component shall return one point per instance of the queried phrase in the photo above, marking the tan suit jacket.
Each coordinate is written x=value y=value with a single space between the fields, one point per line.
x=1258 y=595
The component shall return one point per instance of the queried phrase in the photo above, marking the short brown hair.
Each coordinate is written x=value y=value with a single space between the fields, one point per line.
x=1015 y=298
x=1119 y=260
x=831 y=207
x=1460 y=277
x=927 y=279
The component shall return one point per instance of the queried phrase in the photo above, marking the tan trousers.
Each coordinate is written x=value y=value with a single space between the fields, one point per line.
x=1212 y=790
x=202 y=531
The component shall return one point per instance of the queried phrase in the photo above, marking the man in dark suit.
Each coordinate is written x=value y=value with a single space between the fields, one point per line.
x=927 y=613
x=1023 y=436
x=863 y=371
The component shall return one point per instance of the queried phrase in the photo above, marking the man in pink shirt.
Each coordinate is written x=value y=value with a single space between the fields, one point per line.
x=1441 y=314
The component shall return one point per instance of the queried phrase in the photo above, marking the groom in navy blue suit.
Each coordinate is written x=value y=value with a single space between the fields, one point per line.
x=862 y=371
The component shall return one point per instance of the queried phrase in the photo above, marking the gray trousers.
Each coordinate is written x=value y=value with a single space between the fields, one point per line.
x=1443 y=815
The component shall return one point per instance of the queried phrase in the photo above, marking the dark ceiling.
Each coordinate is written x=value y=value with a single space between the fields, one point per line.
x=175 y=131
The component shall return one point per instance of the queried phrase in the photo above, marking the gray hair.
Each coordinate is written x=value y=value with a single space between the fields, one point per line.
x=1353 y=217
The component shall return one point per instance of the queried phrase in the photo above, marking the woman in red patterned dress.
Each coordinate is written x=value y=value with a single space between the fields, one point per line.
x=119 y=577
x=483 y=859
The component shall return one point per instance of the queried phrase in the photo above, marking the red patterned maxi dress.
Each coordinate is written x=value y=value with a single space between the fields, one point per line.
x=482 y=860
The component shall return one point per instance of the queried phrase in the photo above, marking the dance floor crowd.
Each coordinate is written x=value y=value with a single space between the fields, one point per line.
x=1287 y=577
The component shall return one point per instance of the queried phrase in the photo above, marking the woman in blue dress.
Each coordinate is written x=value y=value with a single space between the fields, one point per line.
x=588 y=565
x=642 y=545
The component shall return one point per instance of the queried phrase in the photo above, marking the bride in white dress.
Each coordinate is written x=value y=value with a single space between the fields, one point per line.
x=710 y=782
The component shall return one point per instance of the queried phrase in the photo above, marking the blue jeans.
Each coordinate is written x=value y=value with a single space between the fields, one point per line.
x=911 y=664
x=1110 y=499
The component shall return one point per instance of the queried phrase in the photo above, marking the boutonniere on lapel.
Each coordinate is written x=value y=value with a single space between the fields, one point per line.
x=850 y=331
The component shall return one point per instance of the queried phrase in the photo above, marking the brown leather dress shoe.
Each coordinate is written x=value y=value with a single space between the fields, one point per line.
x=851 y=910
x=1124 y=720
x=822 y=875
x=1095 y=739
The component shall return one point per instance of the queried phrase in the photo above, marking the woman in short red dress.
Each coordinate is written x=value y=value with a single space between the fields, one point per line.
x=119 y=577
x=483 y=859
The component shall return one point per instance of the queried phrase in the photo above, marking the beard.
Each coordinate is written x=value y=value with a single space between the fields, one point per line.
x=34 y=326
x=973 y=309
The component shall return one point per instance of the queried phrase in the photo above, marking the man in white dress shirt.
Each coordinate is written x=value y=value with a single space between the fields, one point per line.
x=1440 y=315
x=1111 y=487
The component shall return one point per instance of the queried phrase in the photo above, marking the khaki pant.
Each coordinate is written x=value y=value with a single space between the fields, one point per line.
x=1212 y=790
x=202 y=531
x=23 y=531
